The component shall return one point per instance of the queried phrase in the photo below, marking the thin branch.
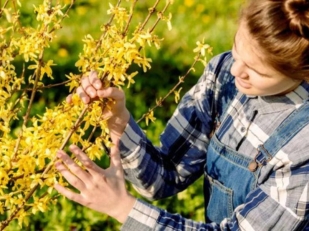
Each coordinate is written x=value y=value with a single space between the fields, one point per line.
x=4 y=5
x=125 y=31
x=47 y=86
x=181 y=80
x=65 y=14
x=106 y=25
x=159 y=18
x=152 y=10
x=26 y=117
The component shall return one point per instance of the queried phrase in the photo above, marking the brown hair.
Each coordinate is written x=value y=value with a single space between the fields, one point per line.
x=281 y=29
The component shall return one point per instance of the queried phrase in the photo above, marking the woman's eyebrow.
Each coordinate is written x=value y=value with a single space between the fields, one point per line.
x=235 y=48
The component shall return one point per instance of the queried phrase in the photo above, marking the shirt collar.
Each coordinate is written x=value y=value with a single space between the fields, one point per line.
x=294 y=99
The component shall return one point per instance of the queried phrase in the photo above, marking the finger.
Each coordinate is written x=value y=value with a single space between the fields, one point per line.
x=73 y=167
x=115 y=160
x=69 y=99
x=85 y=160
x=106 y=113
x=95 y=81
x=111 y=92
x=82 y=95
x=88 y=88
x=68 y=193
x=71 y=178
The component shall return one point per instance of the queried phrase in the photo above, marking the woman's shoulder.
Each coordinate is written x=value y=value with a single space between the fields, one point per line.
x=217 y=84
x=221 y=62
x=218 y=69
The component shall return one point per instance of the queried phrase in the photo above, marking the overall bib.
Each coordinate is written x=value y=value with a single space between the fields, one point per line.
x=230 y=176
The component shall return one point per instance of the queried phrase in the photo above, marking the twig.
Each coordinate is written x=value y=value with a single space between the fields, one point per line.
x=47 y=86
x=26 y=117
x=125 y=31
x=181 y=80
x=4 y=5
x=152 y=10
x=159 y=18
x=106 y=25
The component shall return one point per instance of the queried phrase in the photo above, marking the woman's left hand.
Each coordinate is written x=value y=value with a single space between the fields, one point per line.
x=100 y=189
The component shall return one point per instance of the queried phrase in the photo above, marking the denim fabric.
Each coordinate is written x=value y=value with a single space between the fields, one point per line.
x=228 y=179
x=223 y=189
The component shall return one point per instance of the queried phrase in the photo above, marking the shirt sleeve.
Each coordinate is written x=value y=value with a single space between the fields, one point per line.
x=146 y=217
x=159 y=172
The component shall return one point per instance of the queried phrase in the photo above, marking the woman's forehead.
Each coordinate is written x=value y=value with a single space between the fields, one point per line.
x=248 y=49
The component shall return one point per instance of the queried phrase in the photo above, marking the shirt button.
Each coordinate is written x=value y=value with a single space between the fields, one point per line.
x=242 y=129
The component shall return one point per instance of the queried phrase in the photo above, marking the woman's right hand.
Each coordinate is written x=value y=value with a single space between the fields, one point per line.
x=91 y=89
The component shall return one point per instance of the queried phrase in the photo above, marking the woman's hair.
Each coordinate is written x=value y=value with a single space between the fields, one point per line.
x=281 y=29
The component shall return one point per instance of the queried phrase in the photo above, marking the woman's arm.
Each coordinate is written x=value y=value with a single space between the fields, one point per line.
x=158 y=172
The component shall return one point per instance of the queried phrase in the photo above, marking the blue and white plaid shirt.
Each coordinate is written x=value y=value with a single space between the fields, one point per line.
x=282 y=200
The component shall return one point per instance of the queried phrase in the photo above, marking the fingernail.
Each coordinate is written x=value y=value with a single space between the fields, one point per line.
x=72 y=146
x=59 y=154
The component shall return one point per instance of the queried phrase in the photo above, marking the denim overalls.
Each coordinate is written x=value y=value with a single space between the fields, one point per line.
x=230 y=176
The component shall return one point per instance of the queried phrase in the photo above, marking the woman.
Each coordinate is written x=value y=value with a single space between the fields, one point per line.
x=244 y=125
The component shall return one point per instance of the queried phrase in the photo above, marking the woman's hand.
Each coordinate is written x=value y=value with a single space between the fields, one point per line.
x=100 y=189
x=91 y=88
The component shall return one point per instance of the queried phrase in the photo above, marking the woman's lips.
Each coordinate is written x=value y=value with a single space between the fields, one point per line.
x=242 y=83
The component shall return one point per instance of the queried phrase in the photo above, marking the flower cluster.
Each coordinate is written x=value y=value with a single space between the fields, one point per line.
x=29 y=142
x=28 y=152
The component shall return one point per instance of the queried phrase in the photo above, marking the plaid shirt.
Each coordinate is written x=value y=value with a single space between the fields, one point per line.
x=281 y=201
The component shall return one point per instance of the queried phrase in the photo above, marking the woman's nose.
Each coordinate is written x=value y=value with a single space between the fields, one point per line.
x=238 y=69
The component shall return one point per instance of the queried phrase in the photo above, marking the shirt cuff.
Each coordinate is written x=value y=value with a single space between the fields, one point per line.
x=131 y=138
x=142 y=216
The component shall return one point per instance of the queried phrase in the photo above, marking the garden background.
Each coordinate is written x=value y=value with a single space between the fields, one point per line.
x=214 y=21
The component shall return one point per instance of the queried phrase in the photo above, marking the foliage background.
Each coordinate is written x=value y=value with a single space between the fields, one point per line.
x=193 y=20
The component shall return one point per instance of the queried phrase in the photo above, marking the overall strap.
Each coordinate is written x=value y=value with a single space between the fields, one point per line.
x=296 y=121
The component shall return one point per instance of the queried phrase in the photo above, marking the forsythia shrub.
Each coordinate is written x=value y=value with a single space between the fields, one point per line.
x=29 y=141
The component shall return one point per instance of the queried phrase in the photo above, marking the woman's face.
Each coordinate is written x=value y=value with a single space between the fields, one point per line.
x=253 y=76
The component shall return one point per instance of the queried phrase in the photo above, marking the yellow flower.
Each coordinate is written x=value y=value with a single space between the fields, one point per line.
x=202 y=48
x=130 y=78
x=177 y=95
x=47 y=69
x=150 y=116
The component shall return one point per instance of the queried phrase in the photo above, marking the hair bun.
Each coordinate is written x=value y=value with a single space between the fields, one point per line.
x=298 y=15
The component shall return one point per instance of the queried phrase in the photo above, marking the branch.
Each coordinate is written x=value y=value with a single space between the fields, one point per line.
x=159 y=18
x=47 y=86
x=4 y=5
x=125 y=31
x=26 y=117
x=181 y=80
x=152 y=10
